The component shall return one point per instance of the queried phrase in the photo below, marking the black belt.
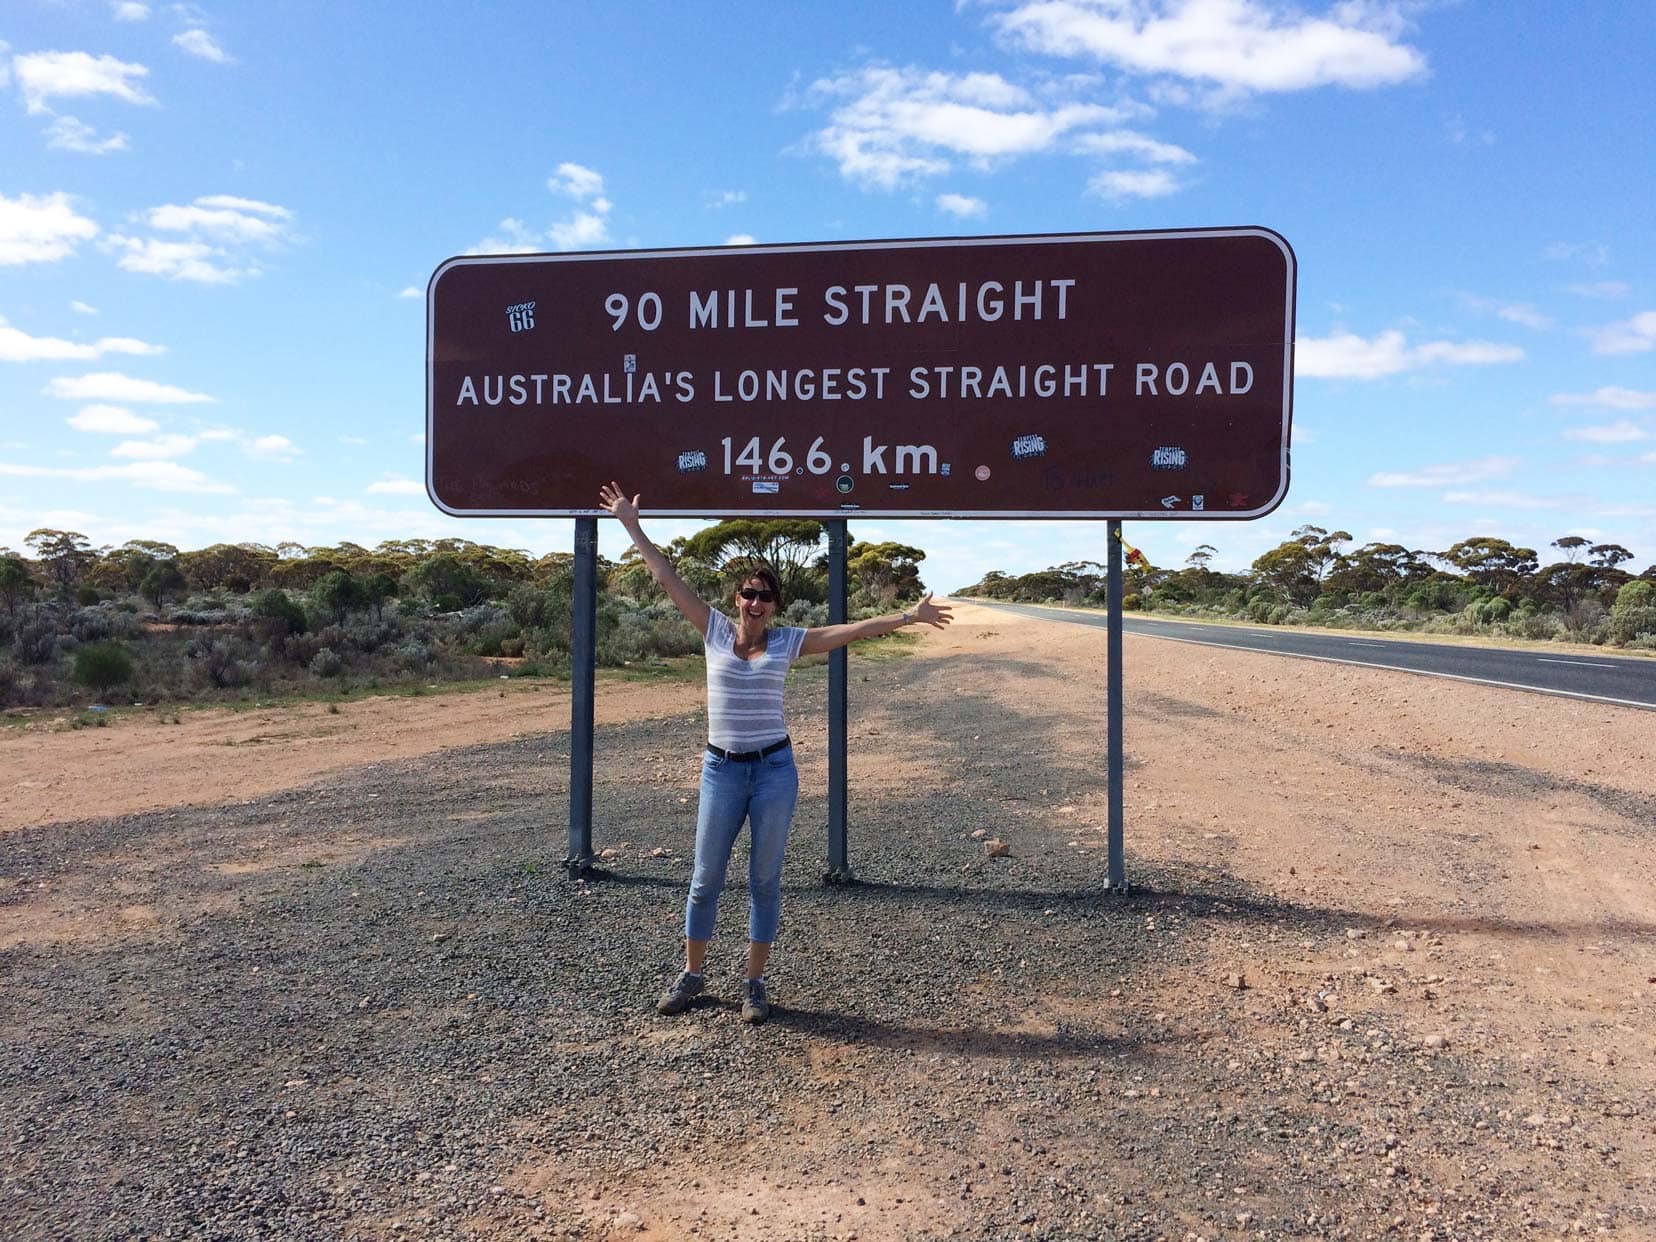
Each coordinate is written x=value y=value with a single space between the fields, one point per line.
x=746 y=756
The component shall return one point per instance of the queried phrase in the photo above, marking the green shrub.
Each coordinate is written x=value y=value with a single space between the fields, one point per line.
x=102 y=666
x=1634 y=614
x=277 y=614
x=327 y=663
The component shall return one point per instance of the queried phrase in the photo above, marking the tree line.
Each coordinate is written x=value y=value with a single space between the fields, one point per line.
x=162 y=622
x=1480 y=584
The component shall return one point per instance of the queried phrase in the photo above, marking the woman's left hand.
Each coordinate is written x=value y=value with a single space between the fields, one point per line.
x=936 y=615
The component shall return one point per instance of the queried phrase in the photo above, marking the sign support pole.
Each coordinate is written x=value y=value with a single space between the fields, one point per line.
x=582 y=682
x=839 y=866
x=1117 y=757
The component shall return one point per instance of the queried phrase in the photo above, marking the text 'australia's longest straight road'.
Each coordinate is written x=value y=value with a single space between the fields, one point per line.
x=979 y=377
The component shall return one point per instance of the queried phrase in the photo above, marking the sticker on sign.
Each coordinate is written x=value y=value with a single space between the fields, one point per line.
x=886 y=363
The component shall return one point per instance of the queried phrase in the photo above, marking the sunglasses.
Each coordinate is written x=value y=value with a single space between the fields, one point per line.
x=764 y=597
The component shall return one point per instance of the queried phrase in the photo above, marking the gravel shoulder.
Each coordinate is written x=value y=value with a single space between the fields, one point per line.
x=1388 y=969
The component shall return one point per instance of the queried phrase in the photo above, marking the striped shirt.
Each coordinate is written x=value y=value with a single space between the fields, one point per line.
x=744 y=697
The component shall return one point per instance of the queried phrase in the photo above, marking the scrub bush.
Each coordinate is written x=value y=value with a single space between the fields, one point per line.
x=327 y=663
x=103 y=666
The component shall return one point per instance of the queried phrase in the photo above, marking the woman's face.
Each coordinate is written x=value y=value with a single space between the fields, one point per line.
x=759 y=608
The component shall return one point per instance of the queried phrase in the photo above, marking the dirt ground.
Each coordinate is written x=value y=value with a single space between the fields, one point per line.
x=1491 y=850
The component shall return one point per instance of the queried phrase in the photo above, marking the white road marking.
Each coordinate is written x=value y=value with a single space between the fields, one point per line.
x=1392 y=668
x=1577 y=663
x=1352 y=642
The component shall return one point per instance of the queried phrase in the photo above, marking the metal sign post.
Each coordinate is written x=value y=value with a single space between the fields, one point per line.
x=1117 y=750
x=839 y=866
x=583 y=662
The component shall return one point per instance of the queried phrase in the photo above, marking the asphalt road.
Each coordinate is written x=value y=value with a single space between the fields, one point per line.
x=1573 y=673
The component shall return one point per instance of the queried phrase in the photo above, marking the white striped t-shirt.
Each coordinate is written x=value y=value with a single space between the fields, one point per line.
x=744 y=697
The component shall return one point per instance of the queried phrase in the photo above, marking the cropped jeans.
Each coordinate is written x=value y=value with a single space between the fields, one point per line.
x=762 y=791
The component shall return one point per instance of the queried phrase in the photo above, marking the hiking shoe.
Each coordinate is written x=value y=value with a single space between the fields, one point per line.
x=755 y=1004
x=682 y=994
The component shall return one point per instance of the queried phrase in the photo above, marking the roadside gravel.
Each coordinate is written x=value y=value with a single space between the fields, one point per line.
x=374 y=1008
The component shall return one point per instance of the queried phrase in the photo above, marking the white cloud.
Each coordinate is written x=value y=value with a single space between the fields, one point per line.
x=584 y=228
x=83 y=308
x=412 y=291
x=1463 y=135
x=1442 y=476
x=43 y=76
x=1505 y=500
x=113 y=386
x=191 y=260
x=1349 y=356
x=1590 y=254
x=1607 y=289
x=1237 y=45
x=223 y=217
x=18 y=346
x=1622 y=431
x=160 y=448
x=130 y=11
x=727 y=198
x=1631 y=336
x=200 y=44
x=1124 y=183
x=219 y=234
x=741 y=239
x=112 y=420
x=70 y=134
x=164 y=476
x=962 y=205
x=393 y=486
x=515 y=238
x=1526 y=315
x=1609 y=398
x=272 y=448
x=1129 y=142
x=899 y=125
x=577 y=182
x=40 y=228
x=417 y=438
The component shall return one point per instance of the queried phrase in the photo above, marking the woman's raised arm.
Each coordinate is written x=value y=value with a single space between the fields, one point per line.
x=831 y=637
x=693 y=606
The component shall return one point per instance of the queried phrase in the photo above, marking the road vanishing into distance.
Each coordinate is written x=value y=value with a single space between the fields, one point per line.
x=1577 y=673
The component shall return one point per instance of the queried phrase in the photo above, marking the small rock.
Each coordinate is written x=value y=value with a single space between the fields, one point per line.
x=609 y=851
x=439 y=937
x=1235 y=980
x=994 y=847
x=659 y=852
x=1382 y=985
x=979 y=833
x=1436 y=1040
x=1316 y=1004
x=629 y=1220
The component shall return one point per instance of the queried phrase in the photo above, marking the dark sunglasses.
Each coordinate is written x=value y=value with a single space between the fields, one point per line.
x=764 y=597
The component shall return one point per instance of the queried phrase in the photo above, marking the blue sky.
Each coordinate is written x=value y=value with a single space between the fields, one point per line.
x=217 y=223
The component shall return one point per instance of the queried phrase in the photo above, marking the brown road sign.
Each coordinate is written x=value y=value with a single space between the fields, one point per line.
x=1144 y=375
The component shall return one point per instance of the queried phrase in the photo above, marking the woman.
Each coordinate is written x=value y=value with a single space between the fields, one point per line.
x=748 y=770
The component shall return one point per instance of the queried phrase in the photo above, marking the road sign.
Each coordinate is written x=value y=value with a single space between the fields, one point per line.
x=1073 y=375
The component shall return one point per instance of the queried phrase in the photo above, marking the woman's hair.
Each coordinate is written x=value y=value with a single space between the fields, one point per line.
x=751 y=567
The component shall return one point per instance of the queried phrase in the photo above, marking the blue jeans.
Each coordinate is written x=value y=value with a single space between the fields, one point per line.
x=763 y=792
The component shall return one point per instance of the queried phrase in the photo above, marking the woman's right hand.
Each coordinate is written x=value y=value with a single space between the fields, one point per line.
x=612 y=499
